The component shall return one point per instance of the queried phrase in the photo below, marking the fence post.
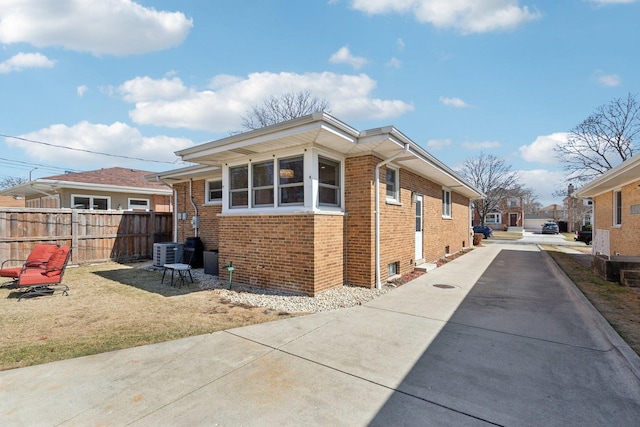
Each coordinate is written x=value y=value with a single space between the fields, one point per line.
x=74 y=236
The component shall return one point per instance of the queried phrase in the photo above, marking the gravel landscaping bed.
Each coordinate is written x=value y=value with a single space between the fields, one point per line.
x=333 y=299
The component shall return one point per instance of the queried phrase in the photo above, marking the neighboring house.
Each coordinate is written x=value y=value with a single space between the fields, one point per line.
x=579 y=211
x=11 y=202
x=104 y=189
x=554 y=212
x=616 y=209
x=311 y=204
x=509 y=215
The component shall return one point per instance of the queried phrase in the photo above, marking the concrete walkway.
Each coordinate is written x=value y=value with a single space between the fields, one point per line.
x=498 y=336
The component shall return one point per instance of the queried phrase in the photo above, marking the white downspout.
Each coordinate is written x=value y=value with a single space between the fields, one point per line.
x=377 y=207
x=195 y=208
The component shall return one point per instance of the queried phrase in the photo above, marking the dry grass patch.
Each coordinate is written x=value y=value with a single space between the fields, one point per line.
x=618 y=304
x=505 y=235
x=109 y=307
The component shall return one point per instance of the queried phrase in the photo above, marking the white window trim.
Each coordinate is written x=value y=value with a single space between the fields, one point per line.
x=396 y=194
x=91 y=197
x=311 y=203
x=615 y=207
x=208 y=201
x=447 y=206
x=496 y=215
x=147 y=208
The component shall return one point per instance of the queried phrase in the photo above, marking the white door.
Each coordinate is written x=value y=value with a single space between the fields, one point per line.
x=419 y=255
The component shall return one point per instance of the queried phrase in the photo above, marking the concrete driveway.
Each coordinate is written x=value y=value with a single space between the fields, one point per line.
x=498 y=336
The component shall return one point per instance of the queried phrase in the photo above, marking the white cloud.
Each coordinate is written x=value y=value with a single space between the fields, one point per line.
x=144 y=89
x=541 y=150
x=606 y=2
x=544 y=183
x=221 y=107
x=608 y=80
x=400 y=44
x=114 y=27
x=454 y=102
x=467 y=16
x=394 y=63
x=117 y=138
x=344 y=56
x=81 y=90
x=438 y=144
x=481 y=145
x=22 y=60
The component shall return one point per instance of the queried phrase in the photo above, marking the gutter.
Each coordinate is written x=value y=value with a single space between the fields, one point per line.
x=377 y=199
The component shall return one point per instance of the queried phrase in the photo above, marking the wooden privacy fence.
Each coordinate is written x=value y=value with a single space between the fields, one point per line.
x=94 y=236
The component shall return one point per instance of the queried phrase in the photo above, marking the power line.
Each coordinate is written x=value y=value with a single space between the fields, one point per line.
x=87 y=151
x=19 y=164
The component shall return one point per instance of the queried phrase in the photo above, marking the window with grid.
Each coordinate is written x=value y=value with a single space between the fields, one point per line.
x=262 y=176
x=392 y=184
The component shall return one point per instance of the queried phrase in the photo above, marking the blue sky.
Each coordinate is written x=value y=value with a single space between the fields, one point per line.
x=146 y=78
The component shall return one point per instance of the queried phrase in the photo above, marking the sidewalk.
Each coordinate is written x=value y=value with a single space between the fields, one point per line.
x=497 y=336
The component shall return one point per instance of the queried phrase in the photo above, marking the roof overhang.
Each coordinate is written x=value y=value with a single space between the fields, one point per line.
x=318 y=130
x=185 y=174
x=621 y=175
x=51 y=187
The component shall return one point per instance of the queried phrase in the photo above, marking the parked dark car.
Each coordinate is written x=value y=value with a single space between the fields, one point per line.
x=483 y=229
x=583 y=236
x=550 y=228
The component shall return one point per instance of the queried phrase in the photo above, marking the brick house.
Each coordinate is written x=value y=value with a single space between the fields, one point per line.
x=616 y=209
x=508 y=215
x=311 y=204
x=103 y=189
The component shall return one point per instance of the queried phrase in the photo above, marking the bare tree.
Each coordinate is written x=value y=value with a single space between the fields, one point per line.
x=606 y=138
x=285 y=107
x=11 y=181
x=494 y=177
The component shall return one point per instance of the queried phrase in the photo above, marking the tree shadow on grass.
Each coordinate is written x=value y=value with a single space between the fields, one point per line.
x=150 y=281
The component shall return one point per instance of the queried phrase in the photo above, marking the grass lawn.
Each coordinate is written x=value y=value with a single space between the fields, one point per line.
x=620 y=305
x=110 y=307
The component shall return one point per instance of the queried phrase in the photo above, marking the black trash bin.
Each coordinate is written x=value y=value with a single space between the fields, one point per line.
x=211 y=263
x=198 y=249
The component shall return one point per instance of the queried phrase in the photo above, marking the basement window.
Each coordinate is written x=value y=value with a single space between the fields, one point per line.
x=393 y=269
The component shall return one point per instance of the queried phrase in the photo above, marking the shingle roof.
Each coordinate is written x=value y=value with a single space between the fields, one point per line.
x=121 y=177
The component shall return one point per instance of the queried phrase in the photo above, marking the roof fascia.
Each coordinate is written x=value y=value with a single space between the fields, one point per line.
x=601 y=184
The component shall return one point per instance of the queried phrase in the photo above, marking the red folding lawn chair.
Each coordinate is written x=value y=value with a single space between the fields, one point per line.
x=33 y=282
x=38 y=258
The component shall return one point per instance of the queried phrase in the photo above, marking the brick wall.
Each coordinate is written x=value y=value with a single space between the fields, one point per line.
x=209 y=220
x=397 y=222
x=301 y=253
x=359 y=202
x=623 y=239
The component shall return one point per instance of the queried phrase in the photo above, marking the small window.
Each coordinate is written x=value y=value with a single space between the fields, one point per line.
x=90 y=202
x=392 y=184
x=214 y=191
x=239 y=186
x=393 y=269
x=493 y=218
x=262 y=175
x=139 y=204
x=446 y=203
x=617 y=207
x=291 y=181
x=328 y=182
